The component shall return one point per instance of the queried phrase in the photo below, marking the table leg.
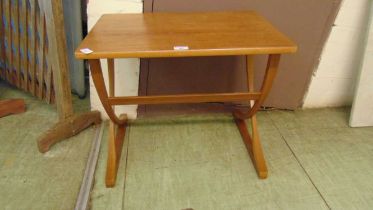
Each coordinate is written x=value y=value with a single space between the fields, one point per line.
x=99 y=82
x=253 y=146
x=116 y=139
x=271 y=70
x=252 y=142
x=117 y=128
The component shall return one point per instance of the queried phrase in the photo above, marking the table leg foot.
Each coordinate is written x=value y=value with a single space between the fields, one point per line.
x=116 y=139
x=67 y=128
x=253 y=146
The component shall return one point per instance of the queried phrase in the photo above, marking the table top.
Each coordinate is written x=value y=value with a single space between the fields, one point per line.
x=182 y=35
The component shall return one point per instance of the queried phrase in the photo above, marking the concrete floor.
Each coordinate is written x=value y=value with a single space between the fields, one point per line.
x=29 y=179
x=315 y=161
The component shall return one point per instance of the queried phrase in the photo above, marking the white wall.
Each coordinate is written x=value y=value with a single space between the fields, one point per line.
x=334 y=80
x=362 y=107
x=126 y=70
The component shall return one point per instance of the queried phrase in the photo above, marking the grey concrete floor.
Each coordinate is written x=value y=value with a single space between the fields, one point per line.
x=29 y=179
x=315 y=161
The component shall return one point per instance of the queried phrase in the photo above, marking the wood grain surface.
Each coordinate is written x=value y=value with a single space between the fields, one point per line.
x=208 y=33
x=184 y=98
x=12 y=106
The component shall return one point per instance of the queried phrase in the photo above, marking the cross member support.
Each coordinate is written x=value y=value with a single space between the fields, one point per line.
x=118 y=124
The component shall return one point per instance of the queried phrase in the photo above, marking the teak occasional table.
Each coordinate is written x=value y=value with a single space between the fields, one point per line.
x=157 y=35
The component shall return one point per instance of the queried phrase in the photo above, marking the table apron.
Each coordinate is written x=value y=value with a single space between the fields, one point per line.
x=184 y=98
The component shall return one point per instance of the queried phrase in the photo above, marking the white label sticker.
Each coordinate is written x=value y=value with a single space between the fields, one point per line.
x=86 y=51
x=181 y=48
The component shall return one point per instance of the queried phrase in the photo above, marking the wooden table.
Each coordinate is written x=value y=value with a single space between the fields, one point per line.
x=157 y=35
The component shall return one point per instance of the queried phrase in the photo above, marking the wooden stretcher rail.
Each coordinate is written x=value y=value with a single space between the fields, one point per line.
x=184 y=98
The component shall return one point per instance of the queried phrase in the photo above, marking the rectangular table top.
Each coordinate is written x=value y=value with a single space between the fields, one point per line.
x=168 y=34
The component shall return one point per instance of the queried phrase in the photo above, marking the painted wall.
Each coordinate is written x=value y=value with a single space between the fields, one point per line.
x=362 y=107
x=334 y=81
x=126 y=70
